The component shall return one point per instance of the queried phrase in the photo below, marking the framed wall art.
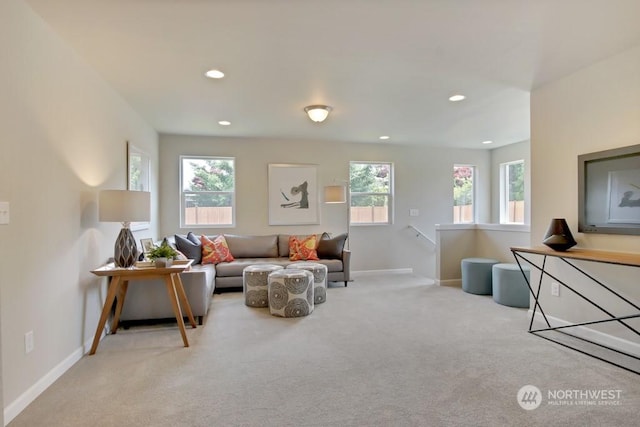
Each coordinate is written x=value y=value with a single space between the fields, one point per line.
x=609 y=191
x=293 y=194
x=624 y=196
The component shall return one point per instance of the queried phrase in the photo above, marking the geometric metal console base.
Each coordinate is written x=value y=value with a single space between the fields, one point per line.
x=561 y=334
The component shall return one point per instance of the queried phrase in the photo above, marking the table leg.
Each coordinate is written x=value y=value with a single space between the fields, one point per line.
x=171 y=290
x=120 y=302
x=108 y=303
x=184 y=302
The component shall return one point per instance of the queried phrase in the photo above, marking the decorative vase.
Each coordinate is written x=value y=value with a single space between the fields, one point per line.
x=558 y=236
x=125 y=252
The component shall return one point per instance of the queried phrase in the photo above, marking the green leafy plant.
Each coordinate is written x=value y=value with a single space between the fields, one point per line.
x=162 y=251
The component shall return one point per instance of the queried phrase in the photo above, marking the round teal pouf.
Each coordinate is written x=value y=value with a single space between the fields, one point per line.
x=476 y=275
x=509 y=286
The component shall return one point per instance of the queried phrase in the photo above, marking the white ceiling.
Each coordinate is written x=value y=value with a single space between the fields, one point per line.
x=387 y=67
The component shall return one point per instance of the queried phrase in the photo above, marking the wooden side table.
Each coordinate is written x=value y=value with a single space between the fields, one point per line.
x=118 y=287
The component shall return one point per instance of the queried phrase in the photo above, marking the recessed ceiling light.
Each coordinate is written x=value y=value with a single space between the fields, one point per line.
x=224 y=122
x=456 y=98
x=384 y=137
x=214 y=74
x=487 y=142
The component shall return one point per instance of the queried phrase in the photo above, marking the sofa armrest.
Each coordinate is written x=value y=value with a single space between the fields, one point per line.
x=346 y=264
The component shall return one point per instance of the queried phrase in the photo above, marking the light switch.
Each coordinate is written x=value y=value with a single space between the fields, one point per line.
x=414 y=212
x=4 y=212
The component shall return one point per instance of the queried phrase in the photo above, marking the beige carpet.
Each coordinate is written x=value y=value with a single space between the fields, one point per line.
x=386 y=351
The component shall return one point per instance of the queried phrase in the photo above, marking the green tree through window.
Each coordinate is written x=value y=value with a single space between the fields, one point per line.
x=208 y=189
x=370 y=186
x=463 y=206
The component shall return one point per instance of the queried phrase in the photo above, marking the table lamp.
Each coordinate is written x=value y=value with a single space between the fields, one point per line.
x=125 y=207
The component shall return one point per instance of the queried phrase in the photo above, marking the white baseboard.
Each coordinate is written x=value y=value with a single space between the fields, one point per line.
x=14 y=408
x=365 y=273
x=455 y=283
x=592 y=335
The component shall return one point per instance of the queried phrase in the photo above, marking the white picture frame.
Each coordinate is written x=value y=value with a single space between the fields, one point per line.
x=293 y=194
x=147 y=245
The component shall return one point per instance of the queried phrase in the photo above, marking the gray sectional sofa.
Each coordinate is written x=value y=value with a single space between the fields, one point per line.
x=148 y=300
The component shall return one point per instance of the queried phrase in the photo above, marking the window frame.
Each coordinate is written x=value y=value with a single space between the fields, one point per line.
x=505 y=190
x=183 y=193
x=388 y=195
x=474 y=193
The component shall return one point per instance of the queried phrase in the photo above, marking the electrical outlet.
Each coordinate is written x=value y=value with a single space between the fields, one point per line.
x=4 y=212
x=555 y=289
x=28 y=342
x=414 y=212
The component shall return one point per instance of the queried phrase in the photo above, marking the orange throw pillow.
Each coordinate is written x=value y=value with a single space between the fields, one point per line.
x=304 y=249
x=215 y=251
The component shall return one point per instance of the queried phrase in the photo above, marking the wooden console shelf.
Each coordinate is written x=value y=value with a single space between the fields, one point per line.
x=608 y=257
x=531 y=256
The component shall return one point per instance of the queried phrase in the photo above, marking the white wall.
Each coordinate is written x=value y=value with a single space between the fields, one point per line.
x=64 y=134
x=423 y=180
x=594 y=109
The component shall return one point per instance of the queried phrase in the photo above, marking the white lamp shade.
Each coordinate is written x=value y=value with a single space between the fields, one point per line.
x=124 y=206
x=335 y=194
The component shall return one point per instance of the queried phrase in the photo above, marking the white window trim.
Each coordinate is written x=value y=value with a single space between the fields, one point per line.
x=389 y=195
x=504 y=191
x=182 y=194
x=474 y=192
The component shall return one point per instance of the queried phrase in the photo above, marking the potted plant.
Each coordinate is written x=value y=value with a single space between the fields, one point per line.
x=163 y=255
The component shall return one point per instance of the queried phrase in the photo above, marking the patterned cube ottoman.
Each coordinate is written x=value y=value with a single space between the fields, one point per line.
x=255 y=284
x=291 y=293
x=320 y=272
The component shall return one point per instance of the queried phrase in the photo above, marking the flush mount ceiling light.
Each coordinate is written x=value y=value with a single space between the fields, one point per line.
x=384 y=137
x=224 y=123
x=456 y=98
x=214 y=74
x=487 y=142
x=318 y=113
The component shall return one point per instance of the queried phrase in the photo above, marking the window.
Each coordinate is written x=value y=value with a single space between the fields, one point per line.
x=371 y=190
x=207 y=190
x=463 y=194
x=512 y=192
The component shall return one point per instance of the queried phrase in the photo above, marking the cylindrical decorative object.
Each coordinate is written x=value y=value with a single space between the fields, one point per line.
x=510 y=286
x=255 y=284
x=291 y=293
x=558 y=236
x=125 y=250
x=476 y=275
x=320 y=272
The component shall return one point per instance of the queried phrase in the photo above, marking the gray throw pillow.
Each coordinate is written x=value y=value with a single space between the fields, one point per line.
x=193 y=238
x=331 y=248
x=189 y=248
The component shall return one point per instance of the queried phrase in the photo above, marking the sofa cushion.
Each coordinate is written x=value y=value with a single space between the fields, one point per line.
x=215 y=251
x=235 y=268
x=252 y=246
x=283 y=242
x=190 y=249
x=331 y=248
x=303 y=249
